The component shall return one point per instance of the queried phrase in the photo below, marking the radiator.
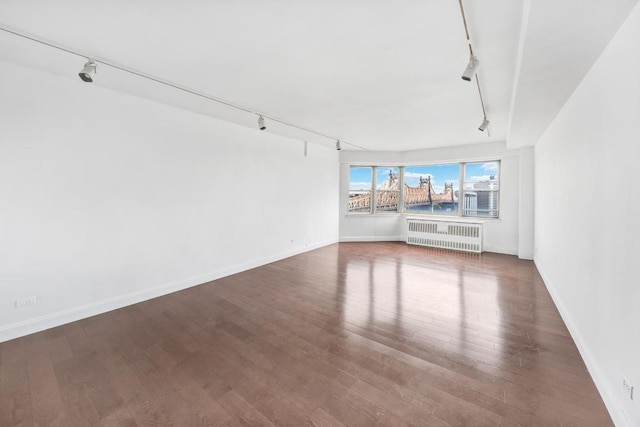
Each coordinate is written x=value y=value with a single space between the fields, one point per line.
x=459 y=236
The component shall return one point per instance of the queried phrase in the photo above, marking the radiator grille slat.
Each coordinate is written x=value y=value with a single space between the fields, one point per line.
x=448 y=235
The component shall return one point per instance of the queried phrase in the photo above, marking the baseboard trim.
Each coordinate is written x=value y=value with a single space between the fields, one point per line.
x=525 y=255
x=617 y=413
x=51 y=320
x=498 y=250
x=346 y=239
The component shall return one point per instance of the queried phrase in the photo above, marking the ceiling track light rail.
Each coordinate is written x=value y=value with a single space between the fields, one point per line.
x=90 y=67
x=472 y=70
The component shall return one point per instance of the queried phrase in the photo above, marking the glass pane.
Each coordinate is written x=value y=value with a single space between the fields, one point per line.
x=360 y=189
x=481 y=189
x=387 y=189
x=481 y=176
x=432 y=189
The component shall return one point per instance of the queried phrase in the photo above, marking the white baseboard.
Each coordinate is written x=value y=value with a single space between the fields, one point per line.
x=617 y=414
x=499 y=250
x=51 y=320
x=525 y=255
x=372 y=239
x=345 y=239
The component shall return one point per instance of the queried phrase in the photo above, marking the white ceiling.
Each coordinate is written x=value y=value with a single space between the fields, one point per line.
x=377 y=74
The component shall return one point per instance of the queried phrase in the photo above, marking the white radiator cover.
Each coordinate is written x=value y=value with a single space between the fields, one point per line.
x=455 y=235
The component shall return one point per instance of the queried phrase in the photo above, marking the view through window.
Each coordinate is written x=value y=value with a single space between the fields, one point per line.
x=360 y=189
x=427 y=189
x=481 y=189
x=387 y=189
x=432 y=189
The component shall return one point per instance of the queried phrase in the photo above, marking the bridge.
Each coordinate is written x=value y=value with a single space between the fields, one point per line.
x=387 y=194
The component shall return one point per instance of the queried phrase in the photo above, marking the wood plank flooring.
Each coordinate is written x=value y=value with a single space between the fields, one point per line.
x=353 y=334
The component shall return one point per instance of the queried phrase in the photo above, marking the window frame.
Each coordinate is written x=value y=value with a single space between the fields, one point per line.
x=371 y=191
x=401 y=209
x=455 y=214
x=461 y=207
x=376 y=191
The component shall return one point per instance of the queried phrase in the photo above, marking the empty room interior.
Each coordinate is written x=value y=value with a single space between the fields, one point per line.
x=319 y=213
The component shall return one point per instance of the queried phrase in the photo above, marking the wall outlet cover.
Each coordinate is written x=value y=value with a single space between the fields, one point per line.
x=23 y=302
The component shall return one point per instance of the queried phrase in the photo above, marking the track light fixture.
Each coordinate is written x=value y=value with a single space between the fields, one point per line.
x=484 y=125
x=338 y=147
x=89 y=69
x=471 y=69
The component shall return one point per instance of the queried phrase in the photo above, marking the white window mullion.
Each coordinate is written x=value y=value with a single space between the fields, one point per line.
x=401 y=189
x=374 y=187
x=461 y=190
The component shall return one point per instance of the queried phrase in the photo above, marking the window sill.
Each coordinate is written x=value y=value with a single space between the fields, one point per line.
x=427 y=217
x=378 y=214
x=450 y=218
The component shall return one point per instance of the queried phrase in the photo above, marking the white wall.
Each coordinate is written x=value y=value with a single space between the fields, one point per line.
x=526 y=203
x=107 y=199
x=587 y=216
x=501 y=235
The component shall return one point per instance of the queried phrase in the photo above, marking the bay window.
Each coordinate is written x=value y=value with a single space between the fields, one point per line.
x=467 y=189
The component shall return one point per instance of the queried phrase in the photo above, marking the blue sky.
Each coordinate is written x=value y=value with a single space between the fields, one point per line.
x=439 y=175
x=360 y=178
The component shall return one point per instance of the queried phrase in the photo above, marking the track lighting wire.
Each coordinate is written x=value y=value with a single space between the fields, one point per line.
x=466 y=31
x=177 y=86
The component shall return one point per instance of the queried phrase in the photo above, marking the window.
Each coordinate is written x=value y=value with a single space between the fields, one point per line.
x=432 y=189
x=387 y=189
x=360 y=186
x=481 y=189
x=455 y=189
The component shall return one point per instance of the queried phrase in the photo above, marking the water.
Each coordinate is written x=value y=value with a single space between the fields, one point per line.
x=441 y=209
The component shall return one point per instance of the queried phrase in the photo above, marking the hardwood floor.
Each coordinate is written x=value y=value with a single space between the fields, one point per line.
x=350 y=334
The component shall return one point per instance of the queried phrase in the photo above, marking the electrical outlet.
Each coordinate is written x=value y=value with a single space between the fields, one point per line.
x=628 y=388
x=23 y=302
